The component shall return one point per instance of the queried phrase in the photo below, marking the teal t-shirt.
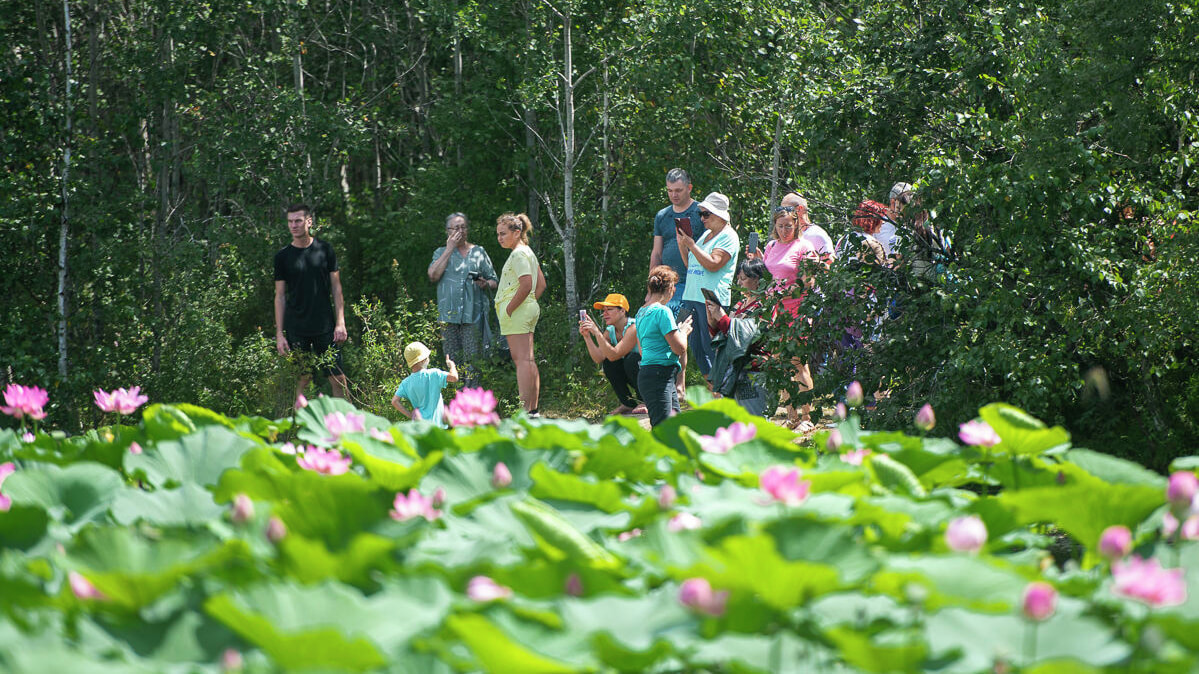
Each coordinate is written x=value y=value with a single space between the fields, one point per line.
x=654 y=322
x=612 y=334
x=717 y=281
x=423 y=390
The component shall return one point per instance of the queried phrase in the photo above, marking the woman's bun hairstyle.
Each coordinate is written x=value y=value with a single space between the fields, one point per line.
x=661 y=278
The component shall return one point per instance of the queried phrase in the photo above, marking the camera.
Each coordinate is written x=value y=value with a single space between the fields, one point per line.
x=472 y=275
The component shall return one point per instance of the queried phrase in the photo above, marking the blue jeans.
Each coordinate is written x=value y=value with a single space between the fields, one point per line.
x=656 y=384
x=700 y=340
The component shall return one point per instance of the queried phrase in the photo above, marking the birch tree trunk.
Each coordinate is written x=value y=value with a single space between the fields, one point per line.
x=65 y=225
x=568 y=173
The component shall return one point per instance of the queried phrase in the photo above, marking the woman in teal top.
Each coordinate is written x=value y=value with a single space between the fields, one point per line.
x=662 y=342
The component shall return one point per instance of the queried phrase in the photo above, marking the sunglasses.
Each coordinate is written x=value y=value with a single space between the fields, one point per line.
x=703 y=215
x=784 y=209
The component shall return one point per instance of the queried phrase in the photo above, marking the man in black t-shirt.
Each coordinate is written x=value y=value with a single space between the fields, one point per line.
x=306 y=274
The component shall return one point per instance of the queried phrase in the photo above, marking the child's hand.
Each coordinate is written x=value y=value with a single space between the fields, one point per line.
x=449 y=363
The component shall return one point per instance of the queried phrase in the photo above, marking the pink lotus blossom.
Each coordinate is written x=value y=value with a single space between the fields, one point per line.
x=340 y=423
x=135 y=448
x=1145 y=580
x=842 y=411
x=966 y=534
x=856 y=456
x=28 y=437
x=854 y=395
x=500 y=476
x=413 y=505
x=82 y=587
x=683 y=522
x=25 y=401
x=382 y=436
x=727 y=438
x=324 y=461
x=978 y=433
x=667 y=497
x=783 y=485
x=276 y=530
x=925 y=418
x=232 y=661
x=472 y=407
x=628 y=535
x=574 y=585
x=288 y=448
x=1040 y=601
x=833 y=442
x=6 y=469
x=697 y=595
x=1190 y=526
x=121 y=401
x=1181 y=491
x=1115 y=542
x=484 y=589
x=438 y=499
x=301 y=401
x=242 y=510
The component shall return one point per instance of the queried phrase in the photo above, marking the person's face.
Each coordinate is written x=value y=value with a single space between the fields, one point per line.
x=747 y=282
x=507 y=237
x=785 y=227
x=897 y=206
x=457 y=225
x=612 y=315
x=679 y=193
x=298 y=223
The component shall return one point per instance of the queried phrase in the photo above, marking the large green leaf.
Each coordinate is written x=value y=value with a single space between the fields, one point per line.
x=188 y=506
x=1086 y=507
x=752 y=564
x=1021 y=434
x=497 y=652
x=198 y=458
x=389 y=467
x=75 y=495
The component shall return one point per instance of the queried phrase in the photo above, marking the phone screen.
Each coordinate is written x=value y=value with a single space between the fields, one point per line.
x=752 y=245
x=582 y=314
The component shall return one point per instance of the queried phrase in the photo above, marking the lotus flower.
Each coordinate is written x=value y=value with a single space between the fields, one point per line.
x=276 y=530
x=667 y=497
x=288 y=448
x=966 y=534
x=28 y=437
x=574 y=585
x=925 y=418
x=324 y=461
x=484 y=589
x=6 y=469
x=1115 y=542
x=82 y=587
x=833 y=442
x=1190 y=526
x=382 y=436
x=500 y=476
x=1040 y=601
x=697 y=595
x=855 y=457
x=411 y=506
x=854 y=395
x=135 y=448
x=242 y=509
x=340 y=423
x=301 y=402
x=683 y=522
x=1145 y=580
x=438 y=499
x=726 y=438
x=472 y=407
x=25 y=401
x=978 y=433
x=842 y=411
x=783 y=485
x=1181 y=491
x=121 y=401
x=232 y=661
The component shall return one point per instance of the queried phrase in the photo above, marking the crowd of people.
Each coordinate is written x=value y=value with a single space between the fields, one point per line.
x=688 y=312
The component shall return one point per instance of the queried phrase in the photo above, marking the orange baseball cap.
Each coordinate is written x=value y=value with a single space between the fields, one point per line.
x=613 y=300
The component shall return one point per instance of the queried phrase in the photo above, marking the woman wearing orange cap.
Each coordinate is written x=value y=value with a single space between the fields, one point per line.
x=617 y=350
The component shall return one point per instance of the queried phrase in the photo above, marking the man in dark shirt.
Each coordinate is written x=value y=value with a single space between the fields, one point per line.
x=306 y=274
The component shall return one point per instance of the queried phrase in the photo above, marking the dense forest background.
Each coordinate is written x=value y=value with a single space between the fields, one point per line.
x=149 y=148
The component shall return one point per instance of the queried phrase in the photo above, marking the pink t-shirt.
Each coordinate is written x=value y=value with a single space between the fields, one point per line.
x=783 y=259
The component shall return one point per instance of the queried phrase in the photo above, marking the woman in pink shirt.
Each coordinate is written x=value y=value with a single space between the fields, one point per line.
x=785 y=258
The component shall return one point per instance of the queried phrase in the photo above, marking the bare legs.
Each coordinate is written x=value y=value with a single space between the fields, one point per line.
x=528 y=379
x=337 y=381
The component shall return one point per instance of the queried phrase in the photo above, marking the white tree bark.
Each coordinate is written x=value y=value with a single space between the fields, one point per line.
x=65 y=225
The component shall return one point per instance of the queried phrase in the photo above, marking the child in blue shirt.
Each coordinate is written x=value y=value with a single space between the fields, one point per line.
x=422 y=388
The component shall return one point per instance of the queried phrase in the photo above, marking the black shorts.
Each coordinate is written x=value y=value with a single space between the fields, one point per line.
x=321 y=355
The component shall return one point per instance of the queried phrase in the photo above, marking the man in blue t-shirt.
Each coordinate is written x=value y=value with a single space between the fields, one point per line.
x=666 y=246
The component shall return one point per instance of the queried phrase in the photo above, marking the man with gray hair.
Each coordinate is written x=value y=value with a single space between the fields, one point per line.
x=462 y=271
x=666 y=247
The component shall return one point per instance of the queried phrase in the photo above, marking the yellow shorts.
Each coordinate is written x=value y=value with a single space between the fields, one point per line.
x=522 y=321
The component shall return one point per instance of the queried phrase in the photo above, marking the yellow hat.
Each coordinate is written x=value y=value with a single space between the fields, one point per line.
x=415 y=353
x=613 y=300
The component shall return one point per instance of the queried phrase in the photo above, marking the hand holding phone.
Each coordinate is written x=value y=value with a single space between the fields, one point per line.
x=683 y=225
x=751 y=247
x=582 y=315
x=710 y=296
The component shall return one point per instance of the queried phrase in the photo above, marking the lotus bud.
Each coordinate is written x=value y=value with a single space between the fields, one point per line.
x=966 y=534
x=28 y=437
x=276 y=530
x=666 y=497
x=1181 y=491
x=1040 y=601
x=82 y=587
x=500 y=476
x=484 y=589
x=438 y=498
x=231 y=660
x=574 y=585
x=698 y=595
x=842 y=411
x=243 y=509
x=301 y=402
x=854 y=395
x=833 y=443
x=1115 y=542
x=135 y=448
x=925 y=419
